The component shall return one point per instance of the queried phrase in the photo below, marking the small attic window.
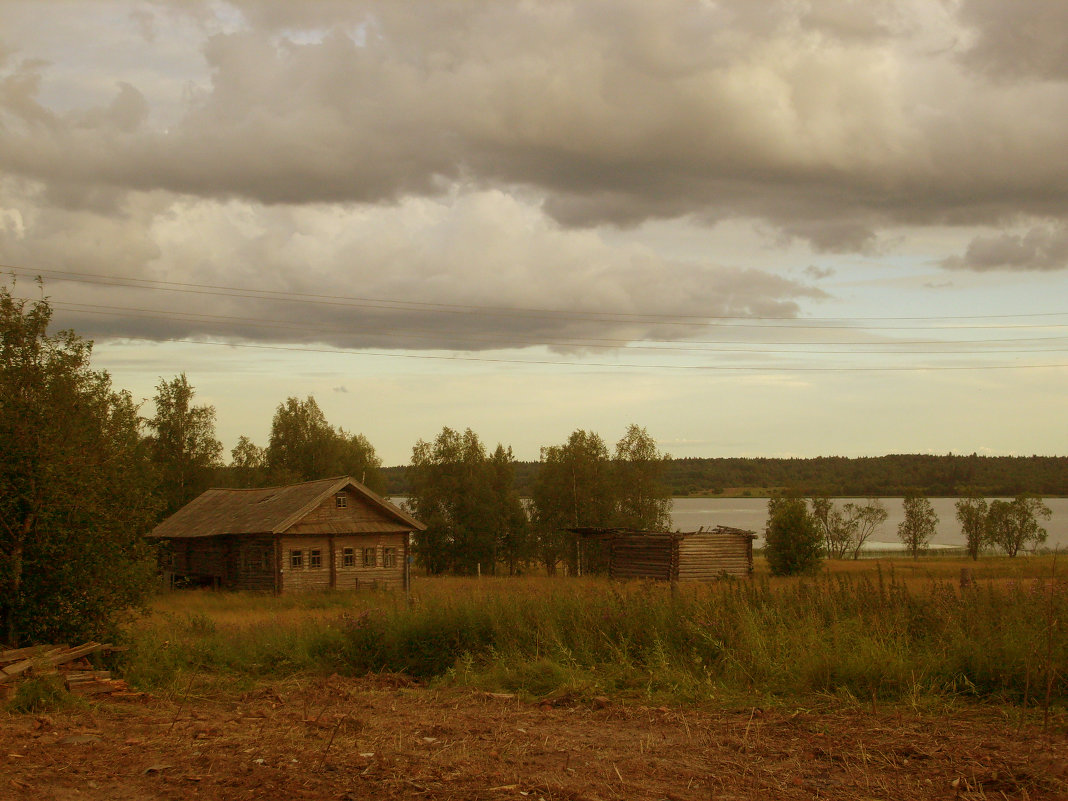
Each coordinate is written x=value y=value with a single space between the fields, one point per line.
x=341 y=500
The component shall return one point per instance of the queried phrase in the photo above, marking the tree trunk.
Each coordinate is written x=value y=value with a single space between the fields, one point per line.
x=11 y=632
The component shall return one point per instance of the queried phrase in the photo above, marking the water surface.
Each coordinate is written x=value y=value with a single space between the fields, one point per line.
x=688 y=514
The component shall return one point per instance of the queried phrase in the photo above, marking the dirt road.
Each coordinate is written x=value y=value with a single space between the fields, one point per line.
x=378 y=739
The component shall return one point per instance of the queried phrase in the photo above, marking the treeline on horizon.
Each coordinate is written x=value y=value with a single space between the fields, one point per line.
x=868 y=476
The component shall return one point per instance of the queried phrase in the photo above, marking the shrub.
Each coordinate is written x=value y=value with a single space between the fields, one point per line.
x=793 y=543
x=40 y=694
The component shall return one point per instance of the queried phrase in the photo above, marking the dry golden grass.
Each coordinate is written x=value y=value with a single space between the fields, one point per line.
x=889 y=627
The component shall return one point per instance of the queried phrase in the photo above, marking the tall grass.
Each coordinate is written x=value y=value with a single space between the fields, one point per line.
x=873 y=636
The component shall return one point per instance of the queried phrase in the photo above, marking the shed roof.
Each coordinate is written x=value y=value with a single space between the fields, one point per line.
x=270 y=510
x=593 y=531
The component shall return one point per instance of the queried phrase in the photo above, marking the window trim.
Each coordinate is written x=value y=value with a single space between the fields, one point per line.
x=315 y=559
x=370 y=557
x=348 y=557
x=296 y=559
x=341 y=501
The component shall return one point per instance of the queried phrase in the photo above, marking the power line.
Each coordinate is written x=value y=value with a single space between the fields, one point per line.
x=382 y=304
x=614 y=365
x=798 y=348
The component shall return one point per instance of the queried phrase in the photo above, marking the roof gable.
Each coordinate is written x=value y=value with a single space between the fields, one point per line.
x=270 y=510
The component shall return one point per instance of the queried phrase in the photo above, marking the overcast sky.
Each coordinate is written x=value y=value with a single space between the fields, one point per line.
x=789 y=228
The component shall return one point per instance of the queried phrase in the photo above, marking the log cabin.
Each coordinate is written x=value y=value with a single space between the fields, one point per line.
x=329 y=534
x=666 y=556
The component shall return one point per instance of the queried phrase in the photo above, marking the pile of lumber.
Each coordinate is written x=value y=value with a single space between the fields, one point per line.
x=79 y=676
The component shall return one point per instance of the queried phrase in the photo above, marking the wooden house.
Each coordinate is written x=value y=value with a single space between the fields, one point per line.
x=679 y=556
x=328 y=534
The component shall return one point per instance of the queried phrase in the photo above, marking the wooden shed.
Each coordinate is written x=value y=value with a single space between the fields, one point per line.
x=667 y=556
x=329 y=534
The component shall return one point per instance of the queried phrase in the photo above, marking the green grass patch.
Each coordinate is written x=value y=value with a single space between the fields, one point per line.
x=870 y=636
x=43 y=694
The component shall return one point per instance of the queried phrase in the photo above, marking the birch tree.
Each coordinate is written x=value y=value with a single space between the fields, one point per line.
x=182 y=444
x=972 y=515
x=643 y=501
x=1013 y=525
x=919 y=525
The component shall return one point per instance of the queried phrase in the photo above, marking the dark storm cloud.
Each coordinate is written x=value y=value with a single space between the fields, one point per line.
x=1041 y=248
x=619 y=112
x=464 y=153
x=1018 y=39
x=476 y=272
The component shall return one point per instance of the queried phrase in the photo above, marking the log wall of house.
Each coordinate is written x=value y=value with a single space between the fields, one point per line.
x=255 y=567
x=345 y=577
x=230 y=562
x=203 y=558
x=642 y=556
x=705 y=557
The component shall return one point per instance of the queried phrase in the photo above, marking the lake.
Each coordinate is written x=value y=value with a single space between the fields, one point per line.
x=689 y=514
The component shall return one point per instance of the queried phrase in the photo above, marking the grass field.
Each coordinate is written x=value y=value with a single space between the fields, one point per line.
x=870 y=630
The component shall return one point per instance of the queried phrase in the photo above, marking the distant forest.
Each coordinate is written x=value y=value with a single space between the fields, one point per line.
x=870 y=476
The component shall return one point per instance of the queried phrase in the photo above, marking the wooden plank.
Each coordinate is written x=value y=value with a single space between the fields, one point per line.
x=22 y=666
x=98 y=686
x=13 y=670
x=18 y=654
x=75 y=653
x=76 y=676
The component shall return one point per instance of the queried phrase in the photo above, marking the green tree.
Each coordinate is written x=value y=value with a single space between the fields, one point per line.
x=452 y=492
x=793 y=542
x=512 y=527
x=357 y=458
x=838 y=527
x=919 y=525
x=643 y=501
x=75 y=486
x=866 y=520
x=248 y=464
x=574 y=487
x=182 y=444
x=303 y=446
x=1013 y=525
x=972 y=515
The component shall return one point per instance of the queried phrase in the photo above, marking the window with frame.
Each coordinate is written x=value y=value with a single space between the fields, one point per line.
x=348 y=557
x=315 y=559
x=369 y=557
x=341 y=501
x=389 y=557
x=296 y=559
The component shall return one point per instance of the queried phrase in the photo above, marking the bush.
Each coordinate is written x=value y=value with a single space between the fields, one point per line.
x=793 y=543
x=40 y=694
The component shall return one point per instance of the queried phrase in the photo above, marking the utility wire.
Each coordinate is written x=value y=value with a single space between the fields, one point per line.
x=498 y=311
x=601 y=317
x=613 y=365
x=798 y=348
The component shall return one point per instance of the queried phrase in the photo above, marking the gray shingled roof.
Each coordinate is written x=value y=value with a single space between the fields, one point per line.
x=270 y=510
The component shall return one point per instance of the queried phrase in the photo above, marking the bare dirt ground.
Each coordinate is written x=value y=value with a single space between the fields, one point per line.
x=378 y=738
